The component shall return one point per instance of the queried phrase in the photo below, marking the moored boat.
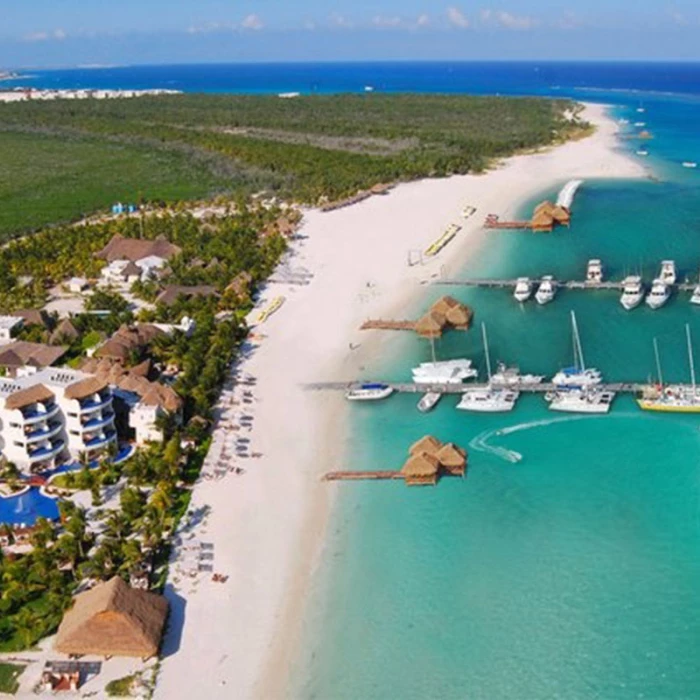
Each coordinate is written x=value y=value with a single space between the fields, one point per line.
x=429 y=401
x=695 y=298
x=510 y=376
x=659 y=294
x=594 y=271
x=632 y=292
x=369 y=392
x=667 y=274
x=546 y=290
x=590 y=400
x=577 y=376
x=523 y=289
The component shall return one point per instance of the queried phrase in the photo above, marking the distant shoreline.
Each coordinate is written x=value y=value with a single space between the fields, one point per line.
x=25 y=94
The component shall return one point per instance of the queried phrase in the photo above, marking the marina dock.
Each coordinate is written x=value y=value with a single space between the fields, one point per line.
x=412 y=388
x=362 y=476
x=559 y=284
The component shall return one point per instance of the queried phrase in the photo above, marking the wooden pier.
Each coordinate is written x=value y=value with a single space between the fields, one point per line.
x=558 y=284
x=386 y=325
x=362 y=476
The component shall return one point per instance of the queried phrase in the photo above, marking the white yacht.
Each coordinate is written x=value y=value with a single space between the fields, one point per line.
x=509 y=376
x=429 y=401
x=577 y=377
x=659 y=294
x=642 y=152
x=594 y=271
x=546 y=290
x=369 y=392
x=667 y=274
x=632 y=292
x=690 y=164
x=488 y=399
x=523 y=289
x=444 y=372
x=581 y=400
x=641 y=110
x=640 y=124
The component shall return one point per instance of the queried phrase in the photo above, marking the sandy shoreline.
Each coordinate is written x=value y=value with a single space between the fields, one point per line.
x=239 y=638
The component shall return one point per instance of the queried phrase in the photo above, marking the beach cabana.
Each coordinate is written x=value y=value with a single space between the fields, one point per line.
x=452 y=459
x=458 y=315
x=113 y=619
x=421 y=469
x=431 y=325
x=427 y=444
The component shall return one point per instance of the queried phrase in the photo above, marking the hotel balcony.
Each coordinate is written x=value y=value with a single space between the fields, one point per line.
x=43 y=432
x=39 y=412
x=101 y=440
x=96 y=403
x=46 y=452
x=95 y=422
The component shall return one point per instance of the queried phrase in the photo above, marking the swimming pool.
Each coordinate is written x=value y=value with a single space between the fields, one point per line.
x=25 y=508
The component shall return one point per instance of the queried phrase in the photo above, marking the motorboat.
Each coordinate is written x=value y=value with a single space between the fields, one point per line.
x=640 y=124
x=642 y=152
x=690 y=164
x=695 y=299
x=510 y=376
x=546 y=290
x=488 y=399
x=523 y=289
x=659 y=294
x=429 y=401
x=632 y=292
x=673 y=398
x=468 y=211
x=590 y=400
x=594 y=271
x=444 y=372
x=577 y=376
x=667 y=274
x=369 y=392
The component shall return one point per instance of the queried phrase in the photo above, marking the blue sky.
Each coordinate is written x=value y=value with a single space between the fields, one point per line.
x=76 y=32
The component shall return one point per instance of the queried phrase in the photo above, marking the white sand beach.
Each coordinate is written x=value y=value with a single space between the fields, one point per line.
x=267 y=524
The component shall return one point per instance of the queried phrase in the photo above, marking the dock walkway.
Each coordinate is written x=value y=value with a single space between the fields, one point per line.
x=412 y=388
x=559 y=284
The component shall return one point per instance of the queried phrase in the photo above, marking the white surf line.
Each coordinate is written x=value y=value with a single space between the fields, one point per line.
x=480 y=442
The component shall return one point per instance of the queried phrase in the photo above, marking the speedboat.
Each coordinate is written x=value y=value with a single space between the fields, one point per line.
x=695 y=299
x=523 y=289
x=642 y=152
x=594 y=272
x=667 y=274
x=546 y=290
x=510 y=376
x=690 y=164
x=641 y=110
x=581 y=400
x=632 y=292
x=488 y=400
x=640 y=124
x=429 y=401
x=659 y=294
x=369 y=392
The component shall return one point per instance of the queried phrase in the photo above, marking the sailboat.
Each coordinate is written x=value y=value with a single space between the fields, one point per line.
x=576 y=377
x=444 y=371
x=672 y=398
x=488 y=399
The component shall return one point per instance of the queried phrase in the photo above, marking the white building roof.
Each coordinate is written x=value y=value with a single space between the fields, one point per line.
x=9 y=322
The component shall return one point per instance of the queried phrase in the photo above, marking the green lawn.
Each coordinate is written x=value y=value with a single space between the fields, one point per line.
x=9 y=673
x=49 y=179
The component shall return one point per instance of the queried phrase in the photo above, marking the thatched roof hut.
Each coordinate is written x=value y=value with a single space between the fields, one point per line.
x=113 y=619
x=28 y=397
x=458 y=315
x=65 y=332
x=546 y=215
x=421 y=469
x=452 y=459
x=430 y=325
x=427 y=444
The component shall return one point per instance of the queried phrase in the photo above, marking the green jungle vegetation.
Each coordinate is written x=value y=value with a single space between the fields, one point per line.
x=66 y=158
x=9 y=673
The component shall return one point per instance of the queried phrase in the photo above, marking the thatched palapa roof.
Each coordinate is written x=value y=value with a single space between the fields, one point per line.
x=421 y=466
x=27 y=397
x=113 y=619
x=427 y=444
x=84 y=388
x=23 y=353
x=430 y=325
x=452 y=457
x=120 y=248
x=65 y=331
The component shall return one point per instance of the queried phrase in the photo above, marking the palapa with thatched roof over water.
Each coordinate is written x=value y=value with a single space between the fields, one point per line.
x=113 y=619
x=428 y=460
x=444 y=314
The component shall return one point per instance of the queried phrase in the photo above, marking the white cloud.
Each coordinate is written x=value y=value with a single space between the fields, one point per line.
x=508 y=20
x=382 y=21
x=457 y=18
x=309 y=25
x=341 y=21
x=57 y=34
x=568 y=21
x=678 y=18
x=423 y=21
x=252 y=22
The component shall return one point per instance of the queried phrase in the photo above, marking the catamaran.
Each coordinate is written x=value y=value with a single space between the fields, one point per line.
x=594 y=272
x=673 y=398
x=369 y=392
x=510 y=376
x=660 y=293
x=523 y=289
x=488 y=399
x=589 y=400
x=632 y=292
x=546 y=290
x=577 y=377
x=444 y=372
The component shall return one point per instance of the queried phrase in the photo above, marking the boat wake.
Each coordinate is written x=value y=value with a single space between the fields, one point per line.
x=481 y=442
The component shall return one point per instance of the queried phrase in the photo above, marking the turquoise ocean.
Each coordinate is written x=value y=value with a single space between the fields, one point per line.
x=567 y=563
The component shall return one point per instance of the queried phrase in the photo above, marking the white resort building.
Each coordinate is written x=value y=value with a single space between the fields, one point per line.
x=54 y=415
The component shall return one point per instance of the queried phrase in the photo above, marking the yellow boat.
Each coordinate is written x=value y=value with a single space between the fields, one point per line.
x=662 y=407
x=441 y=242
x=274 y=306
